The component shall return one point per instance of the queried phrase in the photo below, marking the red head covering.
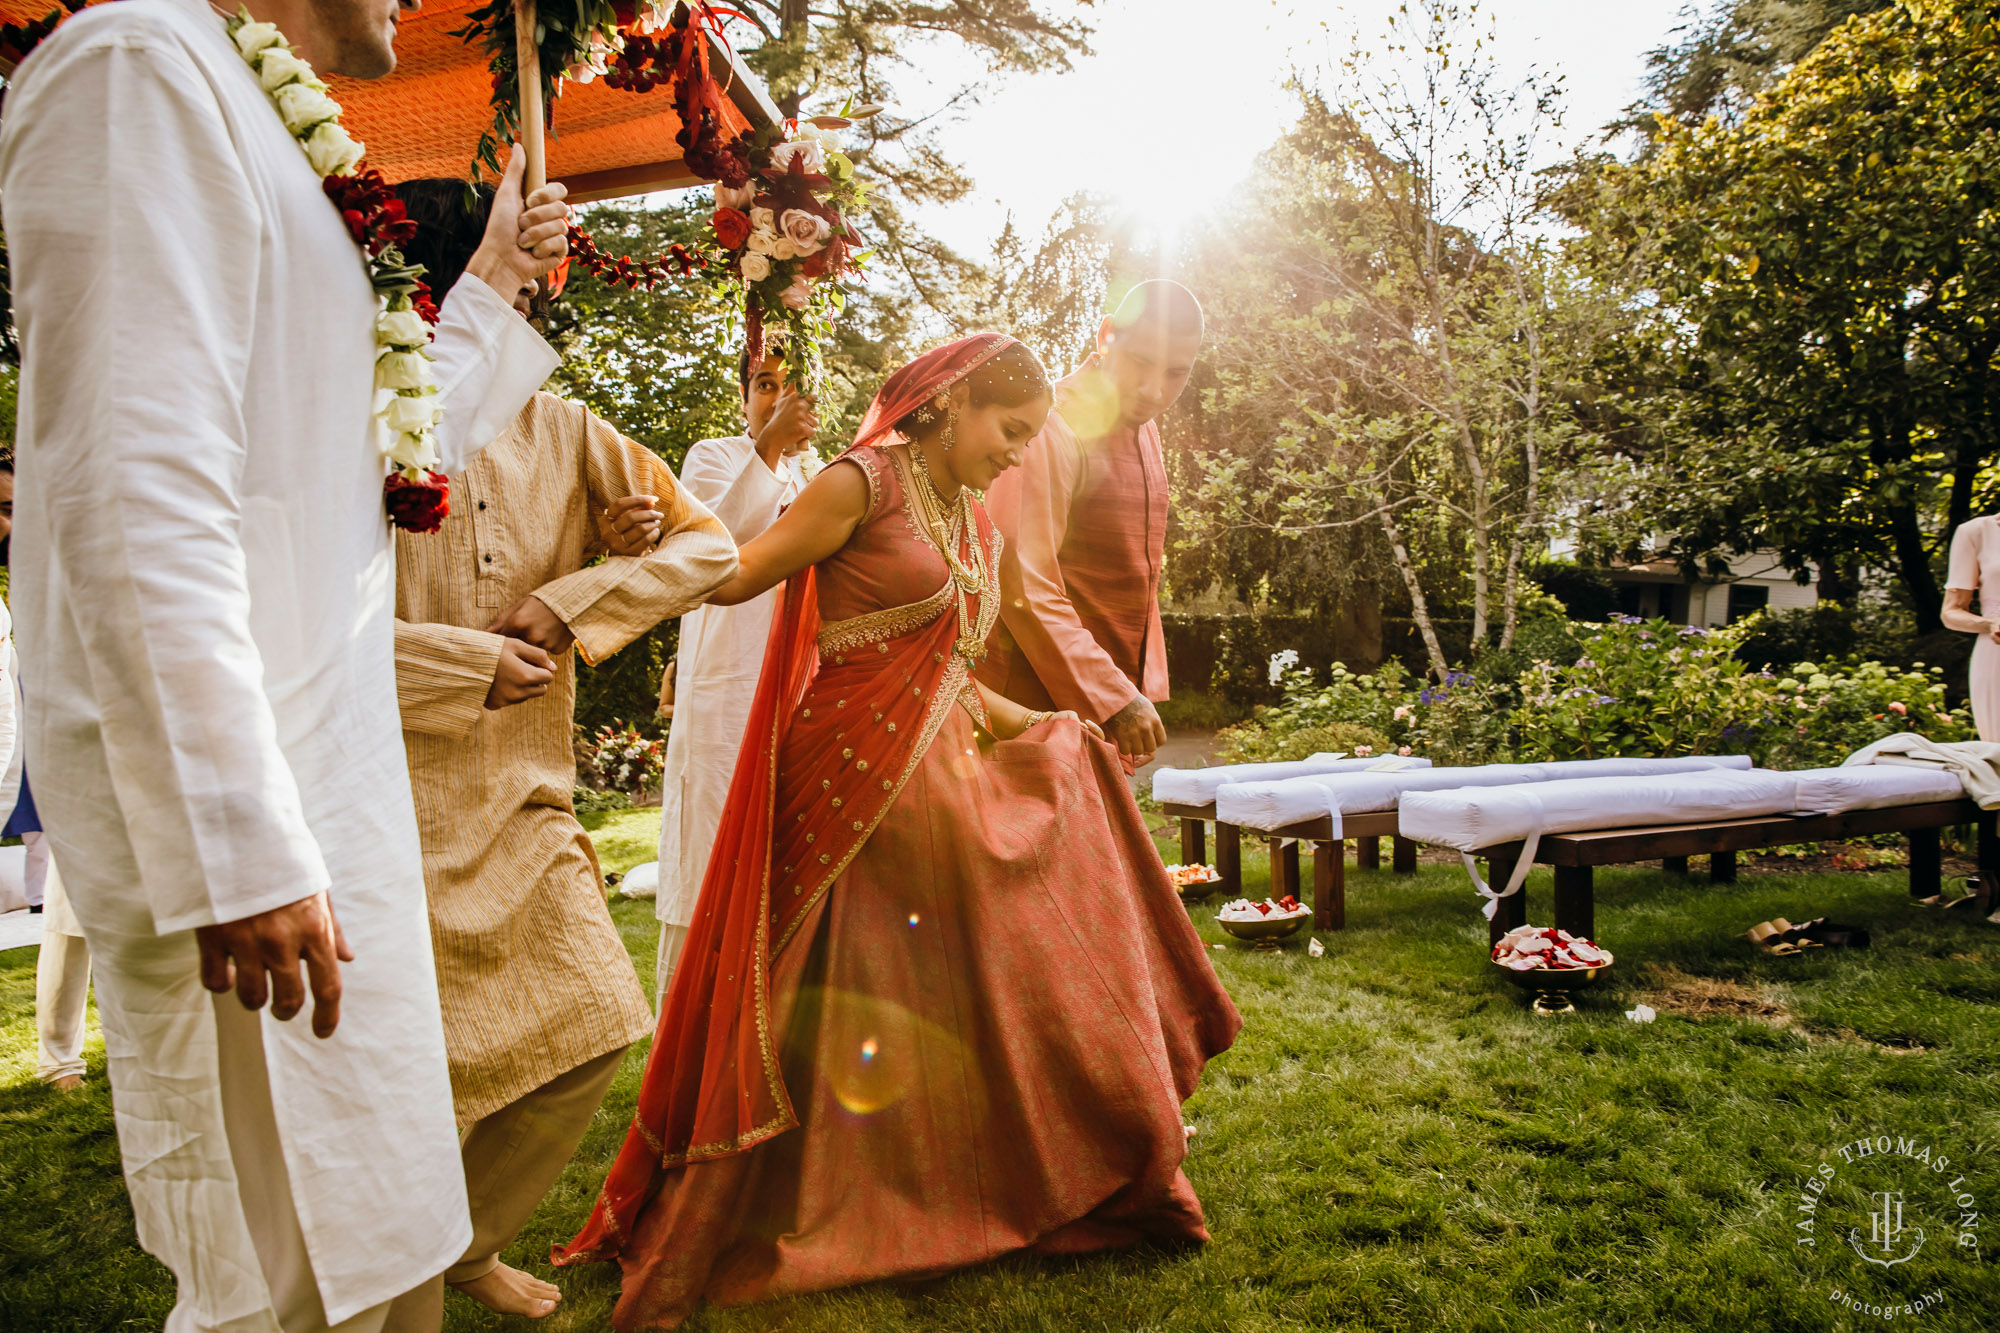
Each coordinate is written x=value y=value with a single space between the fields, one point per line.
x=924 y=379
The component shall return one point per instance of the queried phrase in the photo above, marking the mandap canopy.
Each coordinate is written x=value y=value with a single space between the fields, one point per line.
x=636 y=96
x=426 y=119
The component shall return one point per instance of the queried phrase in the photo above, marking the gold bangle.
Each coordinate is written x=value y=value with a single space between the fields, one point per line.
x=1035 y=719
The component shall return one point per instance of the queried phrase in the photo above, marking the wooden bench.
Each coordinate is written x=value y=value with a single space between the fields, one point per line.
x=1329 y=862
x=1575 y=856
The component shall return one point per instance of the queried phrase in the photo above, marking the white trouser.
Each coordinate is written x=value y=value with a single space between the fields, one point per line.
x=34 y=876
x=62 y=992
x=672 y=938
x=266 y=1188
x=62 y=987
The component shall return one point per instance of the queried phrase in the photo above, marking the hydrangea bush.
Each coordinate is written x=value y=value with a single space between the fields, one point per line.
x=1350 y=713
x=1656 y=688
x=1639 y=688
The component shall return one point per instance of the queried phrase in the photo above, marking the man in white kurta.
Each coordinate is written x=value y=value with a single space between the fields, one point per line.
x=746 y=481
x=203 y=585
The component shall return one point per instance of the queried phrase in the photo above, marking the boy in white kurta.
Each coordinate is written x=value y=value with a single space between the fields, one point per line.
x=746 y=481
x=202 y=583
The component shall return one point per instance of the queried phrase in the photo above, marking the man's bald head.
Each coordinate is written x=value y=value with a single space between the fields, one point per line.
x=1147 y=348
x=1163 y=307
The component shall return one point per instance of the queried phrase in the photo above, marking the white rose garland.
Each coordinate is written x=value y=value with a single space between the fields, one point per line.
x=405 y=399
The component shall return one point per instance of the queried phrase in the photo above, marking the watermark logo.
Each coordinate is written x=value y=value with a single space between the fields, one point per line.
x=1885 y=1232
x=1884 y=1200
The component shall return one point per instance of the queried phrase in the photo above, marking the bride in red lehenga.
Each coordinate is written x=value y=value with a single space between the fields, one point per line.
x=939 y=1001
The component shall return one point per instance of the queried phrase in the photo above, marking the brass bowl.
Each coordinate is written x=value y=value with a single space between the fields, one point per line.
x=1201 y=888
x=1266 y=933
x=1552 y=985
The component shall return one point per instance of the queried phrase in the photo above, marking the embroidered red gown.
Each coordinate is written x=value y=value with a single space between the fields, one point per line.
x=941 y=1004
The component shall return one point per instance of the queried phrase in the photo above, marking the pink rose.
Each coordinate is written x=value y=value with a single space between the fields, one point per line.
x=806 y=152
x=797 y=296
x=806 y=231
x=1898 y=708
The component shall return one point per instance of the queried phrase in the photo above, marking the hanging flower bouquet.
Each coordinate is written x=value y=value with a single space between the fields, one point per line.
x=780 y=232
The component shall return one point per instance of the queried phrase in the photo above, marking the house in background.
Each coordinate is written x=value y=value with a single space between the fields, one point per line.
x=1756 y=582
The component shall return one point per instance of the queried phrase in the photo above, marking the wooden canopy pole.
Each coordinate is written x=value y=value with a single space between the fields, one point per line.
x=528 y=69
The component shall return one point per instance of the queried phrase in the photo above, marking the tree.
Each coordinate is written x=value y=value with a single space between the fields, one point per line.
x=1827 y=273
x=1426 y=334
x=1723 y=62
x=661 y=365
x=818 y=55
x=1055 y=298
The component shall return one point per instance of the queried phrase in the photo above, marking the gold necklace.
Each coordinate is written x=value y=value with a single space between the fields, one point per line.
x=948 y=525
x=947 y=536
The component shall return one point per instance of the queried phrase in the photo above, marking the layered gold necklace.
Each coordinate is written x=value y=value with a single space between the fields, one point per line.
x=949 y=525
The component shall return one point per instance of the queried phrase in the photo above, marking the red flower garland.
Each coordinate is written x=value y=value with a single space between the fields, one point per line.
x=638 y=274
x=679 y=59
x=375 y=217
x=417 y=506
x=377 y=221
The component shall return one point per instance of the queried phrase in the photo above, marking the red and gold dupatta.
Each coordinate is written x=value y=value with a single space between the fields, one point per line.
x=844 y=714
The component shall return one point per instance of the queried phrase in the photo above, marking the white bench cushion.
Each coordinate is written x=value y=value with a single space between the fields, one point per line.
x=1471 y=818
x=1826 y=791
x=1197 y=786
x=1273 y=805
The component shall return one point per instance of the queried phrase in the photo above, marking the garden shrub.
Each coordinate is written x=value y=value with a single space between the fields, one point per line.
x=584 y=800
x=1200 y=712
x=1829 y=632
x=1348 y=712
x=1258 y=743
x=1656 y=688
x=1634 y=688
x=1460 y=721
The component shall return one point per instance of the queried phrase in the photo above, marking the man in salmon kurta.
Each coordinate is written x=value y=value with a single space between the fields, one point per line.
x=539 y=995
x=1085 y=518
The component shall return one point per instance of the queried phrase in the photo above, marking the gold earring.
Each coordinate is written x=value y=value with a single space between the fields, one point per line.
x=947 y=437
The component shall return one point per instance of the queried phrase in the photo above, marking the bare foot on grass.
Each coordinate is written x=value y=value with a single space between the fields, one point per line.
x=68 y=1083
x=510 y=1291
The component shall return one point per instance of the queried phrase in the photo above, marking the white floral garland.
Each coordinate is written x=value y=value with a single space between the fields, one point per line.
x=405 y=400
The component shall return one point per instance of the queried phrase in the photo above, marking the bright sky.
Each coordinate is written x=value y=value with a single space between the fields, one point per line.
x=1182 y=94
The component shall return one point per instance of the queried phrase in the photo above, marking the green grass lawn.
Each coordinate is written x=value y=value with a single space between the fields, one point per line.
x=1394 y=1143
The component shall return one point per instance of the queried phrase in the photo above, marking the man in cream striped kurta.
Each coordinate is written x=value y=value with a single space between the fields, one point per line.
x=539 y=995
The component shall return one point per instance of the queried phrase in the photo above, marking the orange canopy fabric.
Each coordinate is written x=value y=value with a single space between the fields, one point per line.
x=426 y=118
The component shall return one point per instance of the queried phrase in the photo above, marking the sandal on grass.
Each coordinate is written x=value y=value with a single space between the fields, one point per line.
x=1770 y=936
x=1946 y=902
x=1829 y=934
